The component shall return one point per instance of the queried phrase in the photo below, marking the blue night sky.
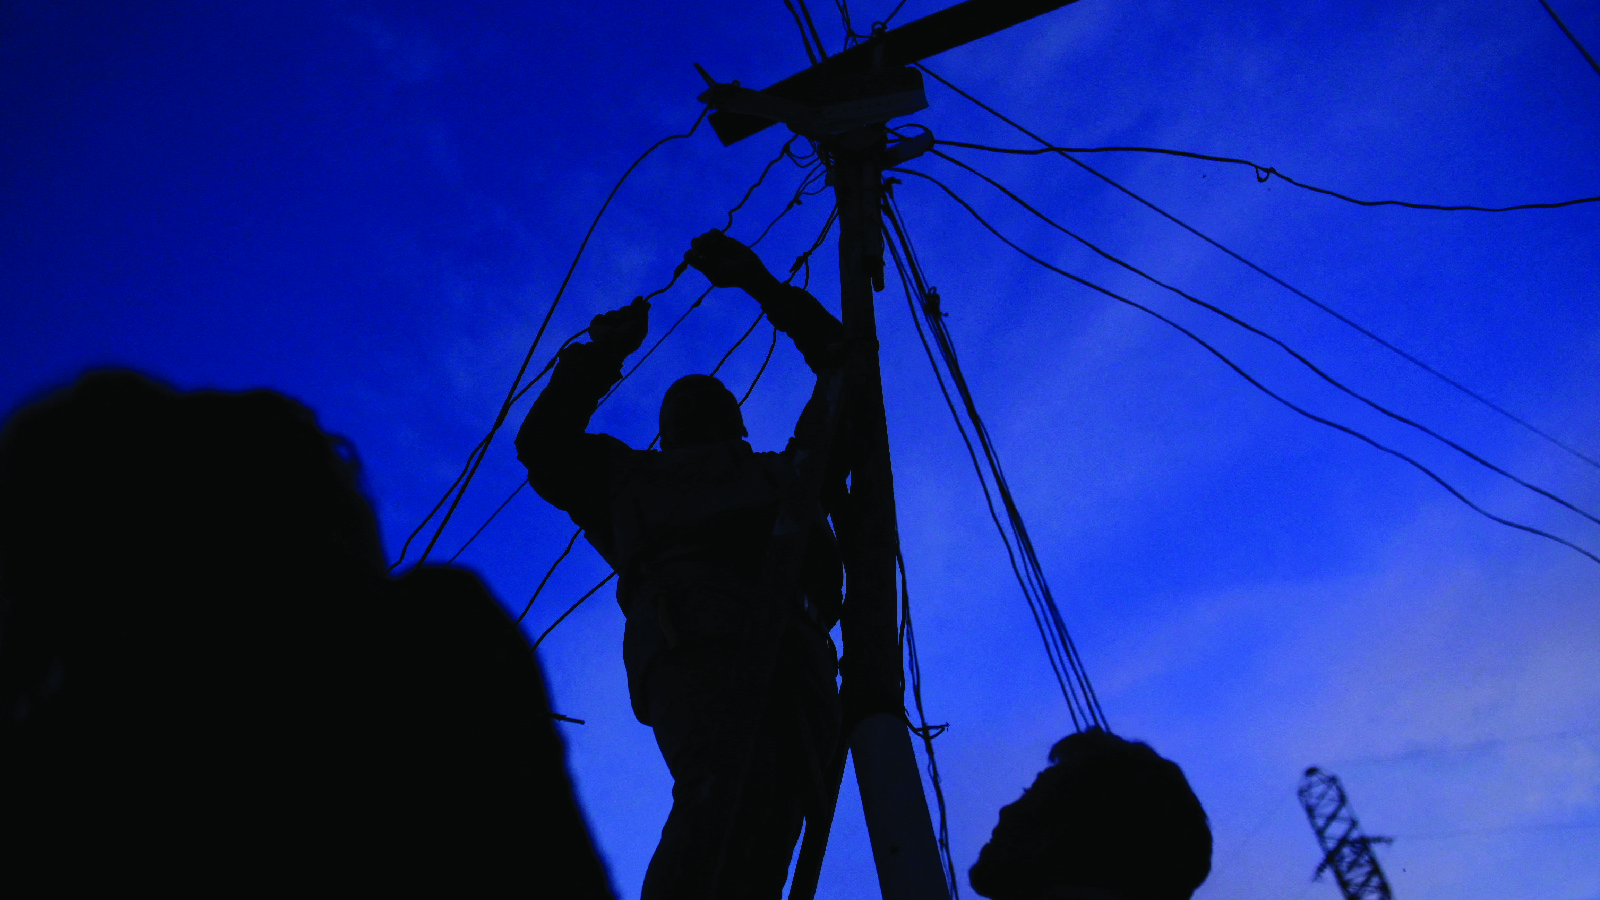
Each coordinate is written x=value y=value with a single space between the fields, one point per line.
x=371 y=205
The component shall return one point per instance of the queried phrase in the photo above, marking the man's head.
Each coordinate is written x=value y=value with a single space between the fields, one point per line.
x=698 y=409
x=1109 y=818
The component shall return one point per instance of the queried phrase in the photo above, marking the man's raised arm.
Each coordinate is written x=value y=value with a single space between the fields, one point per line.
x=793 y=311
x=563 y=465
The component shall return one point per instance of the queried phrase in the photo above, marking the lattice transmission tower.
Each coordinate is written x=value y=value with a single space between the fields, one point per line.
x=1345 y=850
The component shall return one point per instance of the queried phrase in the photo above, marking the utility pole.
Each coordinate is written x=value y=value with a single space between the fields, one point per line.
x=842 y=103
x=1345 y=850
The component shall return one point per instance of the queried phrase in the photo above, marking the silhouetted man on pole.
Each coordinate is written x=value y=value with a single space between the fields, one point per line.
x=727 y=651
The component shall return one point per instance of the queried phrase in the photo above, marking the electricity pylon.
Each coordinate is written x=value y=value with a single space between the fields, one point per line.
x=1345 y=850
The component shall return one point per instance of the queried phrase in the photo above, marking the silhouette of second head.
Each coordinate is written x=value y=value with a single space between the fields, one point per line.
x=1108 y=820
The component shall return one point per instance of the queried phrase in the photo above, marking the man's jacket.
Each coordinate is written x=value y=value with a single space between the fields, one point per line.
x=687 y=530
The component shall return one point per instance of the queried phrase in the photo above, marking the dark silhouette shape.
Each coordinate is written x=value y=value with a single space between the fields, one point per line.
x=728 y=660
x=699 y=409
x=1346 y=850
x=208 y=682
x=1109 y=820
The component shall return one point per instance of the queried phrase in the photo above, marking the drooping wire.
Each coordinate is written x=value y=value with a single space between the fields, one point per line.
x=503 y=503
x=908 y=643
x=505 y=406
x=658 y=342
x=1571 y=37
x=1263 y=174
x=816 y=173
x=1264 y=389
x=737 y=344
x=771 y=347
x=1296 y=355
x=1071 y=675
x=572 y=541
x=572 y=609
x=783 y=153
x=1363 y=330
x=437 y=506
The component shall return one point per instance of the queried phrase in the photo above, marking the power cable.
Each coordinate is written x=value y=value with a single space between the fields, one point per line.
x=1571 y=37
x=503 y=503
x=658 y=342
x=1284 y=284
x=437 y=506
x=815 y=37
x=1065 y=662
x=771 y=347
x=892 y=13
x=816 y=173
x=1264 y=389
x=1056 y=664
x=572 y=541
x=804 y=38
x=783 y=153
x=471 y=458
x=1263 y=174
x=1046 y=601
x=1257 y=331
x=511 y=395
x=851 y=36
x=571 y=609
x=1052 y=656
x=736 y=344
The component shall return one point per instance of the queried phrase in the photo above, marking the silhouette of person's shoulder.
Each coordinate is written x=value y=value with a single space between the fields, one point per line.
x=208 y=679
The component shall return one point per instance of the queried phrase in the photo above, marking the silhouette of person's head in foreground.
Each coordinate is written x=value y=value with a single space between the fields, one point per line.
x=208 y=680
x=1108 y=820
